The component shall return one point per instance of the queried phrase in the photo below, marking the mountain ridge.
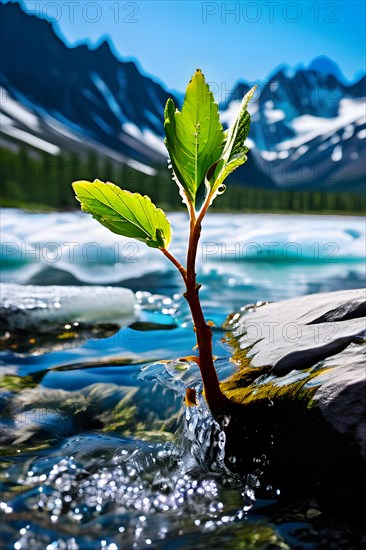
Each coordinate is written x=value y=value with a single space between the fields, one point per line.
x=58 y=98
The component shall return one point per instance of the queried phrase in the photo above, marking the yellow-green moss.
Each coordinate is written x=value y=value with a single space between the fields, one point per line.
x=245 y=386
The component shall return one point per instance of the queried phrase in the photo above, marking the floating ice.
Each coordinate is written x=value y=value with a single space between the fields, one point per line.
x=30 y=306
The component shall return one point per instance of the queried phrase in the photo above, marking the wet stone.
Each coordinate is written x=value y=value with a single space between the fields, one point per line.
x=301 y=382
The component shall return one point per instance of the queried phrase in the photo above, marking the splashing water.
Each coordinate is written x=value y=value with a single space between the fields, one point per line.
x=135 y=493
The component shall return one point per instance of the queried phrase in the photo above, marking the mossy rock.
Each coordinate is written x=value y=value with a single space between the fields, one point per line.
x=299 y=395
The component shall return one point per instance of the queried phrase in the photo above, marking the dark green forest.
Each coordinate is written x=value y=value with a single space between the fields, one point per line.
x=33 y=180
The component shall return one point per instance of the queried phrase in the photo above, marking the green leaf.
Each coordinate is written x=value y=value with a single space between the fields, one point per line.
x=124 y=213
x=235 y=152
x=195 y=138
x=239 y=130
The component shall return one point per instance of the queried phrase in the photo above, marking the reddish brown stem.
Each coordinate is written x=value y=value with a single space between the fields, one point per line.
x=218 y=403
x=175 y=262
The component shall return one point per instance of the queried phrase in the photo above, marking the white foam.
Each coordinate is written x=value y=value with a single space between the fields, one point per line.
x=77 y=244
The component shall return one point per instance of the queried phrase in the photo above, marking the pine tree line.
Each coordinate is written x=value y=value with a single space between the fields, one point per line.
x=30 y=178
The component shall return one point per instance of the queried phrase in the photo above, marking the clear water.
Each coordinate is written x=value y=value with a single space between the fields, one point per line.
x=98 y=450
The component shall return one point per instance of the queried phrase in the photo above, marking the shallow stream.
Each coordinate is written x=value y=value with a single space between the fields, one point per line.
x=98 y=449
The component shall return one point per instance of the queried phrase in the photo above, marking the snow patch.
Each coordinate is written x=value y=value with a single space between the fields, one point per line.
x=155 y=142
x=275 y=155
x=300 y=152
x=108 y=96
x=337 y=154
x=147 y=137
x=32 y=140
x=60 y=128
x=17 y=111
x=272 y=115
x=5 y=120
x=144 y=168
x=132 y=130
x=308 y=127
x=348 y=132
x=231 y=112
x=269 y=155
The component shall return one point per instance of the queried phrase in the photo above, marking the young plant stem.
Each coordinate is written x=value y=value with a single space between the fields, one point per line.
x=175 y=262
x=218 y=403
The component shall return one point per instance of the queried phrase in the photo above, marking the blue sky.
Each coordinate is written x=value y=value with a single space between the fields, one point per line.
x=228 y=40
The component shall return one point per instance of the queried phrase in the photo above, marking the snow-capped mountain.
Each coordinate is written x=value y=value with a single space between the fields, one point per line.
x=55 y=97
x=308 y=124
x=308 y=128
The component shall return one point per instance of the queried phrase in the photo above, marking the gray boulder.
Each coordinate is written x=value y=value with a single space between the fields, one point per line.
x=300 y=390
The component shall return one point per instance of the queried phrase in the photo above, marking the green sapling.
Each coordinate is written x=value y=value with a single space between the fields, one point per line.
x=202 y=156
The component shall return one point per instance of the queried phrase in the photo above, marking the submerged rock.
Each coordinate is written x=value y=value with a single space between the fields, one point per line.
x=33 y=416
x=300 y=390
